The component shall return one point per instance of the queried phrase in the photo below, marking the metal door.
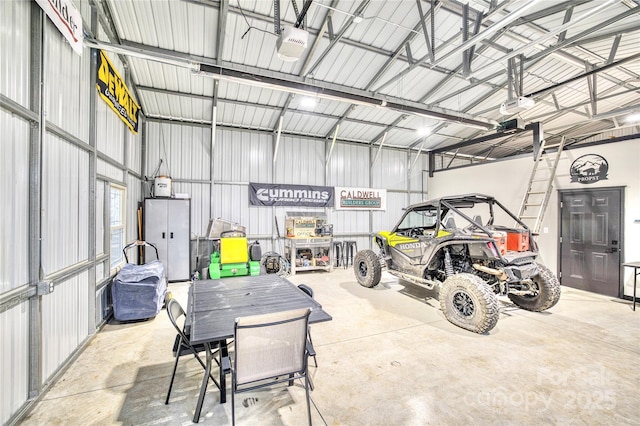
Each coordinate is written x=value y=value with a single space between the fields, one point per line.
x=155 y=230
x=178 y=238
x=590 y=244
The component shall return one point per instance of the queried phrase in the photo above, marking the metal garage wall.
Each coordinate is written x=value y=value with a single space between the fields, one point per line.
x=134 y=196
x=14 y=186
x=100 y=227
x=349 y=165
x=64 y=322
x=65 y=192
x=15 y=51
x=110 y=171
x=244 y=156
x=67 y=85
x=14 y=353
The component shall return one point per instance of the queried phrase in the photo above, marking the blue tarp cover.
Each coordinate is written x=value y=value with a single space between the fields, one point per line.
x=138 y=291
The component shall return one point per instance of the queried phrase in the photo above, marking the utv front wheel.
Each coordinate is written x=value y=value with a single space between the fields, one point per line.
x=469 y=303
x=367 y=268
x=545 y=294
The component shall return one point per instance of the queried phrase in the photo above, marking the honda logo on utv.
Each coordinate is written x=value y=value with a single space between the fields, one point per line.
x=411 y=246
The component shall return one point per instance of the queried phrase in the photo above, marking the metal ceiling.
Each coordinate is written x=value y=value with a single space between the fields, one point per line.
x=380 y=71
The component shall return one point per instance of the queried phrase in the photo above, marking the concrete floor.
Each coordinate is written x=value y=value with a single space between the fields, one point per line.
x=388 y=357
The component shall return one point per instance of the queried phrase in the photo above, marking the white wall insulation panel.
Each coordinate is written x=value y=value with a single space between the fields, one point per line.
x=65 y=322
x=65 y=198
x=14 y=360
x=15 y=50
x=14 y=186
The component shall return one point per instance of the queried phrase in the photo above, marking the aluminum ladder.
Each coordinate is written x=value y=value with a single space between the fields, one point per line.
x=535 y=201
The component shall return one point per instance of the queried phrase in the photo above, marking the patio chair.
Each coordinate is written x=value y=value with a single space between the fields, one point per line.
x=270 y=349
x=311 y=351
x=181 y=345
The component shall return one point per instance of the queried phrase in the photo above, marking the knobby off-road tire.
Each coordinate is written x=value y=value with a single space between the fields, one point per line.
x=548 y=292
x=469 y=303
x=367 y=268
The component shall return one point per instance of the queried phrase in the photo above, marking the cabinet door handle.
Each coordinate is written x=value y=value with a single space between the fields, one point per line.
x=163 y=235
x=171 y=234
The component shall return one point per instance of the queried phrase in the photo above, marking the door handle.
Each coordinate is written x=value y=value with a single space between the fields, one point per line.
x=612 y=250
x=163 y=235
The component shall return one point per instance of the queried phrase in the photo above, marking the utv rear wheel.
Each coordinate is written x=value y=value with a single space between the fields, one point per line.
x=367 y=268
x=469 y=303
x=545 y=295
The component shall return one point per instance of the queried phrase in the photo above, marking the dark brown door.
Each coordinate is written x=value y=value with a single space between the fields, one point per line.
x=590 y=246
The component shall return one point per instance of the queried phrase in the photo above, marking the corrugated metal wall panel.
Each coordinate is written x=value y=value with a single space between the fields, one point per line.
x=134 y=151
x=110 y=132
x=14 y=186
x=300 y=161
x=65 y=322
x=183 y=149
x=105 y=169
x=14 y=359
x=65 y=192
x=349 y=166
x=66 y=84
x=199 y=194
x=103 y=296
x=100 y=215
x=243 y=156
x=134 y=196
x=390 y=170
x=15 y=50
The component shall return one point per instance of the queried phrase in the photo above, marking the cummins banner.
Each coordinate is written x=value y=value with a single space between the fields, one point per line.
x=275 y=194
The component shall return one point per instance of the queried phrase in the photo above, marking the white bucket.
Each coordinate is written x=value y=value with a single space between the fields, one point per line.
x=162 y=186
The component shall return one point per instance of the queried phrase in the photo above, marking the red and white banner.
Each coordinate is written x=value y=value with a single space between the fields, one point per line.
x=67 y=19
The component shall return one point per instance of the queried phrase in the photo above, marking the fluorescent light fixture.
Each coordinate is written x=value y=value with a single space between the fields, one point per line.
x=307 y=102
x=423 y=131
x=633 y=118
x=357 y=18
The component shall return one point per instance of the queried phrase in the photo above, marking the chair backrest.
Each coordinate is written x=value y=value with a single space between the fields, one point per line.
x=270 y=345
x=175 y=312
x=477 y=219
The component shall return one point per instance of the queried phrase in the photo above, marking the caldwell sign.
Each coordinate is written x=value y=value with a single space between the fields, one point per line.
x=116 y=93
x=361 y=199
x=274 y=194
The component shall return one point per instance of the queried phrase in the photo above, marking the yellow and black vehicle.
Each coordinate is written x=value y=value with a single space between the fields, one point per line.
x=470 y=265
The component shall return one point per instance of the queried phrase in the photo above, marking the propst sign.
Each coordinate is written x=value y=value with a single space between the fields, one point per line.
x=360 y=199
x=273 y=194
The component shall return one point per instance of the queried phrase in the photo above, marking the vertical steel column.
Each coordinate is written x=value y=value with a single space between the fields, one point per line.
x=93 y=67
x=37 y=105
x=214 y=113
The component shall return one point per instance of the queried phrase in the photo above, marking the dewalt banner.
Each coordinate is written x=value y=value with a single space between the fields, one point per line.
x=116 y=93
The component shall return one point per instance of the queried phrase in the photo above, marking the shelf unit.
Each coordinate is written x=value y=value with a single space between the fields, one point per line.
x=309 y=251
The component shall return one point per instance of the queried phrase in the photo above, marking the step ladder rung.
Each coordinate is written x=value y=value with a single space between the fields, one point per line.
x=528 y=217
x=530 y=204
x=541 y=180
x=536 y=192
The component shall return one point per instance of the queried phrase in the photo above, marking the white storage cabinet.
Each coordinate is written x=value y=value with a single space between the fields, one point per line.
x=167 y=225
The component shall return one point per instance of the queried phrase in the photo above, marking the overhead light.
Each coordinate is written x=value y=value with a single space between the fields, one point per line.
x=291 y=43
x=423 y=131
x=357 y=18
x=632 y=118
x=308 y=102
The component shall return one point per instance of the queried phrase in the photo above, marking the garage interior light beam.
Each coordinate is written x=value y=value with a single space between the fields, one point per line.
x=298 y=87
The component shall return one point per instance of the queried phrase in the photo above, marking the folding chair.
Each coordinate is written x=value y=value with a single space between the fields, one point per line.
x=181 y=345
x=270 y=349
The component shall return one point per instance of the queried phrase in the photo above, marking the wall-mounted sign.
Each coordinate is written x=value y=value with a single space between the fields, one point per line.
x=67 y=19
x=589 y=168
x=116 y=93
x=275 y=194
x=360 y=199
